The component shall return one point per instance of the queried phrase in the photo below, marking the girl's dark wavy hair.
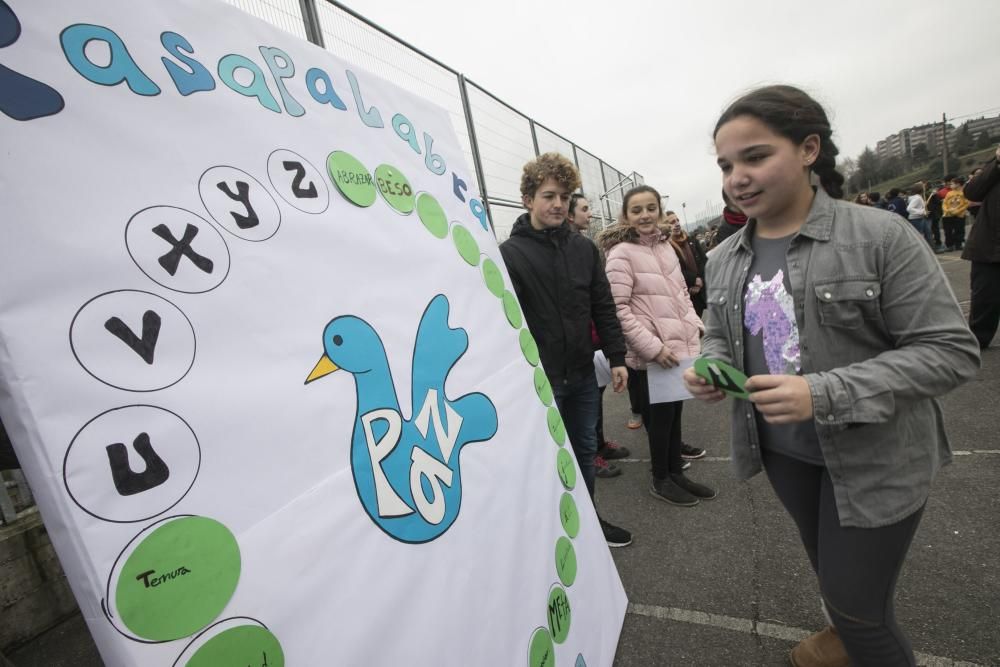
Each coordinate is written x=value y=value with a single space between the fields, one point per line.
x=795 y=115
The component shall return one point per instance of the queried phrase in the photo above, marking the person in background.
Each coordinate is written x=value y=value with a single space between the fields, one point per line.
x=916 y=212
x=578 y=216
x=983 y=250
x=862 y=198
x=660 y=327
x=934 y=201
x=875 y=199
x=849 y=331
x=732 y=221
x=579 y=213
x=561 y=286
x=953 y=210
x=896 y=203
x=973 y=209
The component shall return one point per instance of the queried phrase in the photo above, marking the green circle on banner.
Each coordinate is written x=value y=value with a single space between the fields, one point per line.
x=559 y=614
x=395 y=188
x=568 y=515
x=467 y=247
x=541 y=651
x=529 y=347
x=242 y=645
x=432 y=215
x=493 y=278
x=178 y=579
x=565 y=468
x=556 y=427
x=512 y=310
x=565 y=561
x=722 y=375
x=351 y=178
x=542 y=386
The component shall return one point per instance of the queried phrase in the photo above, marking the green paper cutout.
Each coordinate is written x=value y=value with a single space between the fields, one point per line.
x=351 y=178
x=395 y=188
x=528 y=347
x=568 y=515
x=242 y=645
x=565 y=561
x=432 y=215
x=556 y=427
x=178 y=579
x=493 y=278
x=565 y=468
x=467 y=247
x=723 y=376
x=512 y=310
x=541 y=651
x=559 y=614
x=542 y=387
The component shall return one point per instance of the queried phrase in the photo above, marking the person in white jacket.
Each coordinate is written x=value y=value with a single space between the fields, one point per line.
x=916 y=211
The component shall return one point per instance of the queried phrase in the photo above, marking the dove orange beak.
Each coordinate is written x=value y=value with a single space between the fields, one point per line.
x=323 y=367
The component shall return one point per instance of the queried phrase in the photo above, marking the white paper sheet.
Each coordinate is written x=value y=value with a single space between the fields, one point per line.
x=667 y=384
x=602 y=367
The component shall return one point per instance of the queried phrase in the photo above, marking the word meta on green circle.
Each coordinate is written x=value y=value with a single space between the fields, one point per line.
x=351 y=178
x=178 y=579
x=542 y=386
x=541 y=651
x=565 y=561
x=242 y=645
x=432 y=215
x=565 y=468
x=559 y=614
x=395 y=188
x=467 y=247
x=568 y=515
x=512 y=309
x=556 y=427
x=493 y=278
x=529 y=347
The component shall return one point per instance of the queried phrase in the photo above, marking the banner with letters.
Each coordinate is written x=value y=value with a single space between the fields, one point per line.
x=262 y=363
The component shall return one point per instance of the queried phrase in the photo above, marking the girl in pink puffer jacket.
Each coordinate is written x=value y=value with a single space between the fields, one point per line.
x=660 y=327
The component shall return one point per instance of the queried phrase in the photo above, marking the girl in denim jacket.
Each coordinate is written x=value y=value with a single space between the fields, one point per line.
x=848 y=329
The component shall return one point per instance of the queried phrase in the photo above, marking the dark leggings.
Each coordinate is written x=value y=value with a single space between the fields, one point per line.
x=663 y=426
x=857 y=567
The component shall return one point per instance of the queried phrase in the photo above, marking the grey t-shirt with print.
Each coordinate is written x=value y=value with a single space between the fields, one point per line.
x=771 y=337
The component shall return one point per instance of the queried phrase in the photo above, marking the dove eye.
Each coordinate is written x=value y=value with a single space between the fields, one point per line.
x=337 y=340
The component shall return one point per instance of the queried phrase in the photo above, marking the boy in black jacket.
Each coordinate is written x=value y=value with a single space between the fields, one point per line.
x=561 y=285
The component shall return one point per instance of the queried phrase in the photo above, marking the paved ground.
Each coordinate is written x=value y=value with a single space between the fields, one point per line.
x=727 y=582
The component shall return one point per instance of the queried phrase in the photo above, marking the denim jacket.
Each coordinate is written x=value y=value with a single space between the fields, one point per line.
x=881 y=335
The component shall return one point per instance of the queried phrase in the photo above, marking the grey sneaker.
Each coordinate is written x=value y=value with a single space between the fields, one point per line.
x=694 y=488
x=668 y=491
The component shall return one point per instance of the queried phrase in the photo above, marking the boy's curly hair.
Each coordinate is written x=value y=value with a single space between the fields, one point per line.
x=549 y=165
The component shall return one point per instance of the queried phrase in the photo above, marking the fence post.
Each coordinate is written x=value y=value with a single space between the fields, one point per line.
x=477 y=162
x=534 y=136
x=7 y=512
x=314 y=32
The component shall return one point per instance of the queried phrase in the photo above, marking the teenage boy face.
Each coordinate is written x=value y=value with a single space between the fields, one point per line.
x=549 y=204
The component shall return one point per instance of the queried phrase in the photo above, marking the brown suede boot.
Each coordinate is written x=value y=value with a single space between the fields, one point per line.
x=820 y=649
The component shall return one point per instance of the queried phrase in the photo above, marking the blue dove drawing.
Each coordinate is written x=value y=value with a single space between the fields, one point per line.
x=406 y=471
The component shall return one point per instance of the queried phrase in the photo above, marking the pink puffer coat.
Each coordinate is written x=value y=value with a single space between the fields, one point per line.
x=651 y=297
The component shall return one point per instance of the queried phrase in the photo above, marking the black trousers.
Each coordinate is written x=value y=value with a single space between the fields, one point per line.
x=857 y=568
x=954 y=232
x=663 y=426
x=984 y=310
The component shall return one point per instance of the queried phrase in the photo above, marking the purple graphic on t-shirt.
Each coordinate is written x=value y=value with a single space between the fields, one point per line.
x=769 y=309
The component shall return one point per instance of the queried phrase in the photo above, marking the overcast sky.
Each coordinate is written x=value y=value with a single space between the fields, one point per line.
x=641 y=84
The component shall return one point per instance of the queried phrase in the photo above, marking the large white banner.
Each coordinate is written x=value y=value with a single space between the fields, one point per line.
x=261 y=360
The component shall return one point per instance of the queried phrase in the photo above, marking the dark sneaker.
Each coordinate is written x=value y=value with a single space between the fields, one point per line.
x=668 y=491
x=612 y=450
x=694 y=488
x=604 y=469
x=615 y=536
x=691 y=453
